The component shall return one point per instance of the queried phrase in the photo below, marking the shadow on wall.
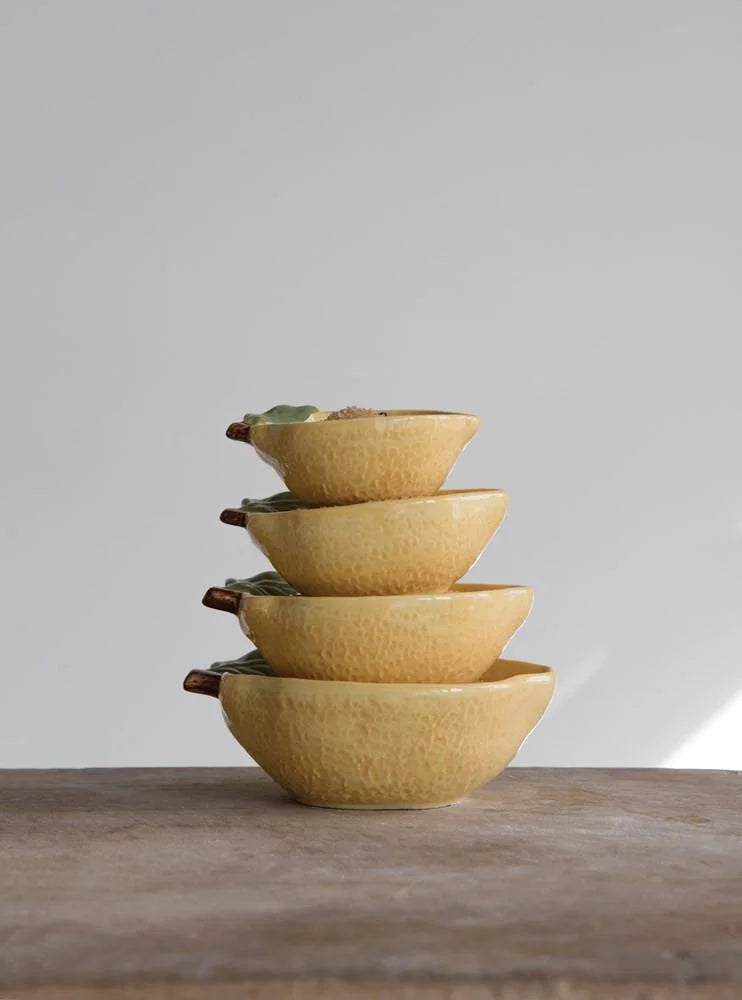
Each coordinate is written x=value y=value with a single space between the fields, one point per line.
x=659 y=652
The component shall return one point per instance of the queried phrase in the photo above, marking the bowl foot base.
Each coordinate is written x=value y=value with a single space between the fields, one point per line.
x=392 y=807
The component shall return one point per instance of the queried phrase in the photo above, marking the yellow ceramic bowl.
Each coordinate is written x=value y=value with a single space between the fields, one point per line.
x=417 y=639
x=414 y=546
x=385 y=746
x=408 y=453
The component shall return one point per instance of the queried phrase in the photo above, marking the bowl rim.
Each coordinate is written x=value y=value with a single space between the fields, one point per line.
x=458 y=591
x=403 y=416
x=476 y=493
x=535 y=673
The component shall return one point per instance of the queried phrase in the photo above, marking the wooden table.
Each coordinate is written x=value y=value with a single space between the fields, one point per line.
x=206 y=884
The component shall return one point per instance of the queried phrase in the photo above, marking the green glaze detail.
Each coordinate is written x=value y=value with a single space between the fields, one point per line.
x=268 y=584
x=273 y=504
x=281 y=414
x=251 y=663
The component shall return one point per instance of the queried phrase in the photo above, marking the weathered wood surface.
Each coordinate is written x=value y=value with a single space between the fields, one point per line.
x=206 y=884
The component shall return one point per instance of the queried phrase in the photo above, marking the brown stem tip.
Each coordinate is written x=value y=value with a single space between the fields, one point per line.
x=222 y=599
x=239 y=432
x=232 y=516
x=202 y=682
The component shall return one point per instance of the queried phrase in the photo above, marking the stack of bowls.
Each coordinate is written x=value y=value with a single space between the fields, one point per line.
x=384 y=685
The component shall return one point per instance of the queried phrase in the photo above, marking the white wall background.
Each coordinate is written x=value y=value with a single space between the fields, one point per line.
x=526 y=209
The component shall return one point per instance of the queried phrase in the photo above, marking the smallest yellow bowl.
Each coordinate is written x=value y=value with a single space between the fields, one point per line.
x=406 y=453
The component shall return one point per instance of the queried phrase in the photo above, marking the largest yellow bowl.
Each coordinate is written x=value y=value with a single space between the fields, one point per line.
x=412 y=638
x=408 y=453
x=410 y=546
x=385 y=746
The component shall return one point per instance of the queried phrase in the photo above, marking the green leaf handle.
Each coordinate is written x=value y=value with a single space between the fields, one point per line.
x=267 y=584
x=228 y=597
x=273 y=504
x=282 y=414
x=270 y=505
x=251 y=663
x=208 y=681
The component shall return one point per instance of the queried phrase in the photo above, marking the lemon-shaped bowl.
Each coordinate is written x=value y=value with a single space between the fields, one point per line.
x=413 y=546
x=384 y=746
x=412 y=638
x=405 y=453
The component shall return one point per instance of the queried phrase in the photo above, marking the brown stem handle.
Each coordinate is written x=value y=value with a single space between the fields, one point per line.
x=202 y=682
x=222 y=599
x=232 y=516
x=239 y=432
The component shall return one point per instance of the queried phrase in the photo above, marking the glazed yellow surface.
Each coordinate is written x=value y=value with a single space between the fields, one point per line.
x=385 y=746
x=406 y=454
x=412 y=546
x=422 y=639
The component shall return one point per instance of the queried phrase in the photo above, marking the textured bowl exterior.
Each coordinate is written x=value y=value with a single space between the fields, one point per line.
x=385 y=746
x=405 y=454
x=413 y=546
x=417 y=639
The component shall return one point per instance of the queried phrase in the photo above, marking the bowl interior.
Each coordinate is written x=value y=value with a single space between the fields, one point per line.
x=321 y=416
